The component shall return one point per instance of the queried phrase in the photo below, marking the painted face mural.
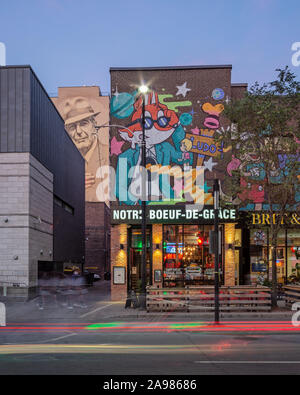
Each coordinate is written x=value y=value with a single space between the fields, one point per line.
x=160 y=122
x=82 y=109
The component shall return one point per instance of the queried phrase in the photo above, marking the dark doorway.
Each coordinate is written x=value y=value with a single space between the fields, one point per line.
x=135 y=259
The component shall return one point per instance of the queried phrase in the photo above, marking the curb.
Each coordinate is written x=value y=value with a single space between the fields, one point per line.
x=248 y=316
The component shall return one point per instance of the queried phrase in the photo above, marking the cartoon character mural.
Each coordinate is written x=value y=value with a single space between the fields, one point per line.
x=182 y=118
x=160 y=125
x=253 y=177
x=172 y=139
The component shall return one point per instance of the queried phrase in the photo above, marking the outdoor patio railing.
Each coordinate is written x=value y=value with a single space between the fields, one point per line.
x=291 y=294
x=202 y=298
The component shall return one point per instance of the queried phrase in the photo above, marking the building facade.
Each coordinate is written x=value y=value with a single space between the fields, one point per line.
x=183 y=114
x=86 y=115
x=42 y=179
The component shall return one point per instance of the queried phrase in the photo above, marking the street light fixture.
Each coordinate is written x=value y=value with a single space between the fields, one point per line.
x=216 y=245
x=143 y=90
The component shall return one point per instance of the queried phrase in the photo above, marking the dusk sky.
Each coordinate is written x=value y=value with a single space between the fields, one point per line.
x=74 y=42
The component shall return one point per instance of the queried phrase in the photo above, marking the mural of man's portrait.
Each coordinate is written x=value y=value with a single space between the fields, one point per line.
x=80 y=124
x=83 y=110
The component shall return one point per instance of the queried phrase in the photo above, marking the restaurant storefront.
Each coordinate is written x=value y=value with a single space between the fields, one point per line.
x=180 y=254
x=177 y=254
x=183 y=111
x=288 y=249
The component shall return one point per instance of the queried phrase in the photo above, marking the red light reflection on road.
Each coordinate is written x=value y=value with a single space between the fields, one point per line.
x=201 y=326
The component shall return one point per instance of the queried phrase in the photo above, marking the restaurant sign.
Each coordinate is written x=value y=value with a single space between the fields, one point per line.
x=265 y=219
x=172 y=215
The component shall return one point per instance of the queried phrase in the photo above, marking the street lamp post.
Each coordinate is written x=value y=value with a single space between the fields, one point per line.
x=216 y=223
x=143 y=90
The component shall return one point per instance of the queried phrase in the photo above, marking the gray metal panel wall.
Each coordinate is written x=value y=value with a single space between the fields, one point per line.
x=29 y=122
x=14 y=109
x=52 y=146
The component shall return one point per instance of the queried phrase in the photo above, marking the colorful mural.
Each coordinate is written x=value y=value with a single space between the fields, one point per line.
x=83 y=109
x=180 y=125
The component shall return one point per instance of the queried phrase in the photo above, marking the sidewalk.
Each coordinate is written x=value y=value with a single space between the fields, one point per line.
x=100 y=308
x=117 y=311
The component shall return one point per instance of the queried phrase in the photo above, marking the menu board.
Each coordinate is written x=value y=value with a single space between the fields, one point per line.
x=119 y=275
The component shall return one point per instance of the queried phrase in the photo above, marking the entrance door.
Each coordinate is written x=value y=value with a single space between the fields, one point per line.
x=135 y=260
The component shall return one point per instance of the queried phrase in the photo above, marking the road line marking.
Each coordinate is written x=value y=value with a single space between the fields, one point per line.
x=250 y=362
x=93 y=311
x=44 y=341
x=58 y=338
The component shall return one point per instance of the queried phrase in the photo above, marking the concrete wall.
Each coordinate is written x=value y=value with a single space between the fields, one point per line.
x=26 y=220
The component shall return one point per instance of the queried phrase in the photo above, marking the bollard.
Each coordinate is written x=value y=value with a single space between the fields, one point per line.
x=4 y=290
x=2 y=315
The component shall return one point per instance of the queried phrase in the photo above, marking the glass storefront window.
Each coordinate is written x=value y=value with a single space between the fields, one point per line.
x=187 y=260
x=173 y=274
x=281 y=258
x=293 y=254
x=288 y=256
x=259 y=267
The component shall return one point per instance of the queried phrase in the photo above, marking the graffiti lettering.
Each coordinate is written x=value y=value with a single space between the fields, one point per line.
x=205 y=145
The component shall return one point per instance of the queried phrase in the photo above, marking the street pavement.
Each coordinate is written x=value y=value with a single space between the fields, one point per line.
x=104 y=338
x=99 y=307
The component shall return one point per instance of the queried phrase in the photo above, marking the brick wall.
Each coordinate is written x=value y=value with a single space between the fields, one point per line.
x=118 y=257
x=97 y=236
x=229 y=255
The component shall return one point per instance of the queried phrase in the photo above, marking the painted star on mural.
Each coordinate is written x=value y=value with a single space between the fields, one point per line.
x=209 y=164
x=115 y=146
x=116 y=92
x=182 y=89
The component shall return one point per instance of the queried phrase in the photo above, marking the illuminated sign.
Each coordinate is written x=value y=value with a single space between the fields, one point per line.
x=171 y=248
x=171 y=215
x=268 y=219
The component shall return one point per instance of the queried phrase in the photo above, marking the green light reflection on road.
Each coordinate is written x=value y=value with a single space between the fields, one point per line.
x=187 y=325
x=104 y=325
